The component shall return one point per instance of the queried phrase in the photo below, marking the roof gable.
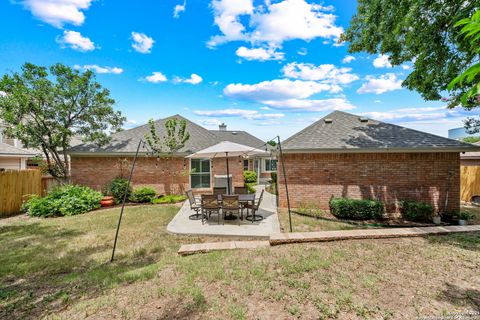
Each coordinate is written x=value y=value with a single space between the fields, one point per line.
x=349 y=132
x=126 y=141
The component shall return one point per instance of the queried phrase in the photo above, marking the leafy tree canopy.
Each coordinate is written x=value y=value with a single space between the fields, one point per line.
x=46 y=107
x=422 y=32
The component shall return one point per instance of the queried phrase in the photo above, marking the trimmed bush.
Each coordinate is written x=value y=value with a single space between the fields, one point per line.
x=144 y=194
x=250 y=187
x=416 y=211
x=116 y=188
x=274 y=177
x=66 y=200
x=172 y=198
x=345 y=208
x=249 y=176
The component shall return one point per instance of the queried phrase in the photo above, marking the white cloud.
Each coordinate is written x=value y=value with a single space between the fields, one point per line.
x=194 y=79
x=279 y=89
x=261 y=54
x=156 y=77
x=243 y=113
x=419 y=115
x=382 y=84
x=100 y=69
x=142 y=43
x=76 y=41
x=348 y=59
x=178 y=9
x=406 y=67
x=272 y=24
x=377 y=101
x=58 y=12
x=382 y=61
x=317 y=105
x=302 y=51
x=326 y=73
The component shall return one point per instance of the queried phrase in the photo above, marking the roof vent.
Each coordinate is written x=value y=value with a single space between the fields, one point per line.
x=363 y=119
x=328 y=120
x=234 y=132
x=222 y=127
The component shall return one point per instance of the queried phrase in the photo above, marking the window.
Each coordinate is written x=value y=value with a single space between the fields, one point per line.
x=270 y=165
x=200 y=173
x=245 y=165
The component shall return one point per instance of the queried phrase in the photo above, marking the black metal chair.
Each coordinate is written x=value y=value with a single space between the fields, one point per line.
x=254 y=208
x=194 y=205
x=210 y=205
x=231 y=205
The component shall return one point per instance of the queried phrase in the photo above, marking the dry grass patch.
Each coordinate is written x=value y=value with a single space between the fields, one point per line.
x=57 y=268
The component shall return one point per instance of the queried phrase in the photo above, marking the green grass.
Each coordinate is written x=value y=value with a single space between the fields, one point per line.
x=58 y=268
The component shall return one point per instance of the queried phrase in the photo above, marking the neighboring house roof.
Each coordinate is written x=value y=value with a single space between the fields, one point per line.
x=240 y=137
x=471 y=155
x=126 y=142
x=7 y=150
x=344 y=132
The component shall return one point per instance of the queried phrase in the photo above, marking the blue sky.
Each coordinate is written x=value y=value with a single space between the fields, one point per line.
x=268 y=67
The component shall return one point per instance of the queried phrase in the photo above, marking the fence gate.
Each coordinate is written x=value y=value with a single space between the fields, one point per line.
x=469 y=182
x=14 y=186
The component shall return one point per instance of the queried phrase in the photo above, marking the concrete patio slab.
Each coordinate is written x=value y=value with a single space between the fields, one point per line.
x=181 y=224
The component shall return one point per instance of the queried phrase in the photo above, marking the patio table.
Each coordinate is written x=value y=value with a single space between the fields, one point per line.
x=242 y=198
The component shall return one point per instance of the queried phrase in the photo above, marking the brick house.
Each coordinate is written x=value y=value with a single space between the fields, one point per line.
x=345 y=155
x=95 y=166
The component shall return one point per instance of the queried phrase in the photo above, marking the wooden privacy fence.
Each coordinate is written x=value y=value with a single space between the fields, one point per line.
x=14 y=186
x=469 y=182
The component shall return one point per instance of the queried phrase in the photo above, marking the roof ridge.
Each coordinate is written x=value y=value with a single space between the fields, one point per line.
x=307 y=127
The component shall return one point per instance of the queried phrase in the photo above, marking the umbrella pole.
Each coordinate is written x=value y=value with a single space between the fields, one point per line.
x=228 y=174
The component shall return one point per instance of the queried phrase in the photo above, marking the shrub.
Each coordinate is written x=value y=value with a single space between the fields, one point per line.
x=172 y=198
x=249 y=176
x=465 y=215
x=144 y=194
x=250 y=187
x=345 y=208
x=416 y=211
x=274 y=177
x=116 y=188
x=66 y=200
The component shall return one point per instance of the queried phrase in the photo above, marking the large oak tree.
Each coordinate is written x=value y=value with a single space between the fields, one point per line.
x=46 y=107
x=424 y=33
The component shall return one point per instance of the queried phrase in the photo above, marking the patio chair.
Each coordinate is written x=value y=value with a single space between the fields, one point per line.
x=231 y=205
x=194 y=205
x=241 y=190
x=254 y=208
x=219 y=190
x=210 y=205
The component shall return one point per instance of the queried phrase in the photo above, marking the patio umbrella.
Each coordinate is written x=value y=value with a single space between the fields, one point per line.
x=227 y=149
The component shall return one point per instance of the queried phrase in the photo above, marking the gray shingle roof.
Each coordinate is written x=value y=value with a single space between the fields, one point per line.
x=126 y=142
x=471 y=155
x=6 y=149
x=347 y=132
x=240 y=137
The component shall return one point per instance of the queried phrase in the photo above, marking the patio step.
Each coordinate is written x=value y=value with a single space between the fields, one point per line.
x=194 y=248
x=322 y=236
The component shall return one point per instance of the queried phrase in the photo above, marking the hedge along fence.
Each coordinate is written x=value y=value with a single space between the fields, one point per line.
x=14 y=186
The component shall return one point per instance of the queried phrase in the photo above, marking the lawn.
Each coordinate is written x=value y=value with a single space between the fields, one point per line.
x=306 y=223
x=58 y=268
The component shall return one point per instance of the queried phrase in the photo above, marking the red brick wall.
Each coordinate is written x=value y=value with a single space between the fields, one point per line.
x=235 y=166
x=389 y=177
x=167 y=176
